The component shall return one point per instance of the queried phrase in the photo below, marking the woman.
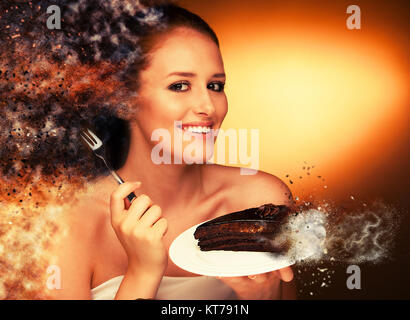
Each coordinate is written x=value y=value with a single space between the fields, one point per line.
x=118 y=250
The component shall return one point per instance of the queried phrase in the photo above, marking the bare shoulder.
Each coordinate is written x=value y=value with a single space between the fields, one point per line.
x=80 y=226
x=247 y=188
x=90 y=208
x=86 y=213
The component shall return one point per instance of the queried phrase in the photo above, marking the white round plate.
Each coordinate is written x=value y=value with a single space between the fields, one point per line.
x=186 y=254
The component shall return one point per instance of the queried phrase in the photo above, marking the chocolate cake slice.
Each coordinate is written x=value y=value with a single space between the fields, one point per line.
x=253 y=229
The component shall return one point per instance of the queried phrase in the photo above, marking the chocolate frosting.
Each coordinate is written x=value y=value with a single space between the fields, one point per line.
x=269 y=212
x=270 y=209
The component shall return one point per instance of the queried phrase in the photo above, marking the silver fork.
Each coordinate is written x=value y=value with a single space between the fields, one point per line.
x=96 y=145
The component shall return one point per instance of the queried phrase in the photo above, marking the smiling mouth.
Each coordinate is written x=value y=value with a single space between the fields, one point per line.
x=197 y=129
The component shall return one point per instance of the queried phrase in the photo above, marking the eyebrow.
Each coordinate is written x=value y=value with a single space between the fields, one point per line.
x=191 y=74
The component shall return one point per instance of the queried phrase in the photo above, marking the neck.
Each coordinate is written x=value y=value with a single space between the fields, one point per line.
x=166 y=184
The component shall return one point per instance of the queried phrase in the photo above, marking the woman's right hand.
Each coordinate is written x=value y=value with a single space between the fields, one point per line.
x=140 y=229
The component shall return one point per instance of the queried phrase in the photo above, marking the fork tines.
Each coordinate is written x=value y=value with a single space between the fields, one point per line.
x=91 y=139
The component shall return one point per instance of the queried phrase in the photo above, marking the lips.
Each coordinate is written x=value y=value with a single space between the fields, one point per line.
x=199 y=127
x=198 y=124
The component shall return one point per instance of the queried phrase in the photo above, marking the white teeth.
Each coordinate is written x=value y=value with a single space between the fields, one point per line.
x=198 y=129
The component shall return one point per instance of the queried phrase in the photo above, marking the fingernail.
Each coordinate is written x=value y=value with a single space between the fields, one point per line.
x=137 y=183
x=252 y=277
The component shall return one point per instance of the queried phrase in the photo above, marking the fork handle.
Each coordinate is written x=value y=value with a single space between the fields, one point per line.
x=132 y=195
x=100 y=154
x=116 y=177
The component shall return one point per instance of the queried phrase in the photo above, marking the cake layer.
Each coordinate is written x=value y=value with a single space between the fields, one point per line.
x=239 y=237
x=249 y=246
x=243 y=228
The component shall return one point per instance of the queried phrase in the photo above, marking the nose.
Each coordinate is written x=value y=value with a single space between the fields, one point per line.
x=203 y=104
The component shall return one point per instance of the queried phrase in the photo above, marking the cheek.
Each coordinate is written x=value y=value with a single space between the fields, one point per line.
x=222 y=109
x=159 y=113
x=165 y=108
x=152 y=113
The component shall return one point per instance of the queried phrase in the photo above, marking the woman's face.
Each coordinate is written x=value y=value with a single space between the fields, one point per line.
x=184 y=82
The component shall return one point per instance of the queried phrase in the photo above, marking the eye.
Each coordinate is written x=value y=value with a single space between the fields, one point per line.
x=216 y=86
x=179 y=86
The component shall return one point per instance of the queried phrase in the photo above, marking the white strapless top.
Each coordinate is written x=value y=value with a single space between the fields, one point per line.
x=174 y=288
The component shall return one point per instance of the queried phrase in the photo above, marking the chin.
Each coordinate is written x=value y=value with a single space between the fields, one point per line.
x=196 y=160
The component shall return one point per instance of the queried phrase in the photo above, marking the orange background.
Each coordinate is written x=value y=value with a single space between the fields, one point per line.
x=320 y=94
x=328 y=97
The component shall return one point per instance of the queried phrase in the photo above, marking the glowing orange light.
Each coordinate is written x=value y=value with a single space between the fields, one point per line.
x=320 y=95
